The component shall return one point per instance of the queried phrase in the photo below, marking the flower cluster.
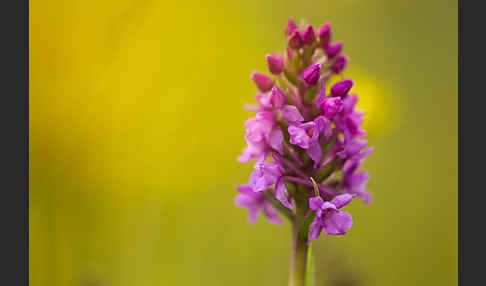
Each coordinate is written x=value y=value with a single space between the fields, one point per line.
x=305 y=131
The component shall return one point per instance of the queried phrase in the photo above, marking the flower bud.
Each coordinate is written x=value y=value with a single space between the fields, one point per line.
x=339 y=64
x=262 y=81
x=341 y=88
x=291 y=26
x=334 y=49
x=276 y=64
x=277 y=97
x=295 y=40
x=324 y=33
x=309 y=36
x=311 y=74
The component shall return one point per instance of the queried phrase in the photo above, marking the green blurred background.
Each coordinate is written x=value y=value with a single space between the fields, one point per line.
x=136 y=121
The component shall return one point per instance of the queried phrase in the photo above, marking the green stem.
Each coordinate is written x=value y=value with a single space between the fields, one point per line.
x=291 y=78
x=311 y=270
x=300 y=250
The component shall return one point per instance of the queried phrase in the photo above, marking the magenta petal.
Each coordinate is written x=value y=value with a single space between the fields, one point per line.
x=353 y=124
x=350 y=166
x=291 y=114
x=315 y=203
x=254 y=130
x=264 y=100
x=363 y=154
x=298 y=137
x=256 y=181
x=264 y=175
x=282 y=194
x=315 y=229
x=275 y=140
x=365 y=196
x=320 y=122
x=252 y=151
x=250 y=203
x=243 y=200
x=256 y=202
x=271 y=213
x=352 y=148
x=244 y=189
x=266 y=116
x=337 y=222
x=342 y=200
x=259 y=127
x=349 y=103
x=262 y=157
x=315 y=152
x=251 y=107
x=328 y=206
x=323 y=125
x=358 y=180
x=331 y=106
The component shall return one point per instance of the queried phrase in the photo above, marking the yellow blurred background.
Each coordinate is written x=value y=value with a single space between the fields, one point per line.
x=136 y=121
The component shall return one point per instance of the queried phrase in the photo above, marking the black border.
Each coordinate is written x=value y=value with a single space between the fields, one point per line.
x=471 y=98
x=14 y=209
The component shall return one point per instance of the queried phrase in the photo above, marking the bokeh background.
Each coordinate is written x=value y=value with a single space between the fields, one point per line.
x=136 y=121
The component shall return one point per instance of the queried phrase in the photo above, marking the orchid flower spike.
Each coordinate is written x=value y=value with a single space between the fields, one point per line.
x=305 y=140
